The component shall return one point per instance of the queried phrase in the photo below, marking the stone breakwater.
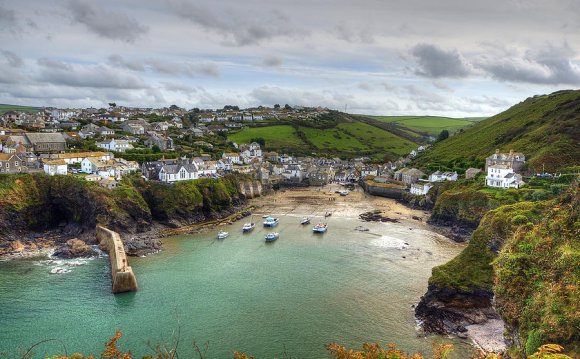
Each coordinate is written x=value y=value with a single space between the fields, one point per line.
x=123 y=278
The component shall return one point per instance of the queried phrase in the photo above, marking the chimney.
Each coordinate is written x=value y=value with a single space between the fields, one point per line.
x=497 y=150
x=511 y=153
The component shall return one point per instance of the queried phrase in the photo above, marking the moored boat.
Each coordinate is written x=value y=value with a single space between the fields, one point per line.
x=248 y=227
x=305 y=220
x=270 y=222
x=222 y=234
x=272 y=236
x=319 y=228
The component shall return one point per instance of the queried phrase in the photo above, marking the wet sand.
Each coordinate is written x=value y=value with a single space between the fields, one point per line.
x=316 y=201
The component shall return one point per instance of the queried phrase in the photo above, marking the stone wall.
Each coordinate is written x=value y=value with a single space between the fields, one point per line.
x=123 y=278
x=251 y=189
x=395 y=193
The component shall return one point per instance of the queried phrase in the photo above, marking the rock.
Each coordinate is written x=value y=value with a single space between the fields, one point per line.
x=75 y=248
x=16 y=246
x=450 y=310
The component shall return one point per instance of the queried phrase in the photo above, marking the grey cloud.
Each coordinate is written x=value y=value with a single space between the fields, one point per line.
x=7 y=18
x=272 y=61
x=354 y=35
x=177 y=87
x=435 y=62
x=118 y=61
x=11 y=59
x=549 y=66
x=81 y=75
x=239 y=28
x=104 y=23
x=183 y=69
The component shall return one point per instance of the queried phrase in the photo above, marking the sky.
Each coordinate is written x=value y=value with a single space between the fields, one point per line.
x=414 y=57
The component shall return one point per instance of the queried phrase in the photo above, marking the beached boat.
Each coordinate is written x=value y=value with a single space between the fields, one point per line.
x=248 y=227
x=222 y=234
x=361 y=229
x=270 y=222
x=343 y=193
x=327 y=214
x=305 y=220
x=319 y=228
x=272 y=236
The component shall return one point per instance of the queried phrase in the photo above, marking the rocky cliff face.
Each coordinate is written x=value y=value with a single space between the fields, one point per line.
x=39 y=209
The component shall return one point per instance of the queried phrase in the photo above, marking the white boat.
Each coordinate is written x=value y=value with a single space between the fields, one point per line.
x=343 y=193
x=248 y=227
x=270 y=222
x=319 y=228
x=272 y=236
x=222 y=234
x=305 y=220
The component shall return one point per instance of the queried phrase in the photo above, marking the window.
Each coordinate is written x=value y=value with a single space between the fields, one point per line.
x=16 y=163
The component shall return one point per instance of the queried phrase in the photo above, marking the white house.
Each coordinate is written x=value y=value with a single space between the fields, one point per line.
x=503 y=176
x=420 y=189
x=439 y=176
x=115 y=145
x=225 y=165
x=235 y=158
x=55 y=167
x=178 y=173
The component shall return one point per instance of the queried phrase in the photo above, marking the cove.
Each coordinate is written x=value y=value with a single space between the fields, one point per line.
x=293 y=295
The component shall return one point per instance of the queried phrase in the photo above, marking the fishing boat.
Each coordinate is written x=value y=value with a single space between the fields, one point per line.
x=319 y=228
x=270 y=222
x=305 y=220
x=248 y=227
x=222 y=234
x=272 y=236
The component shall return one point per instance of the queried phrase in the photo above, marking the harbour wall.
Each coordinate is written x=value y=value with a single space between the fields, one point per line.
x=123 y=278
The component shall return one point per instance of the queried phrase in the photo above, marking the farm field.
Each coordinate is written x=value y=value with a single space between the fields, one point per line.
x=377 y=139
x=276 y=137
x=5 y=108
x=431 y=124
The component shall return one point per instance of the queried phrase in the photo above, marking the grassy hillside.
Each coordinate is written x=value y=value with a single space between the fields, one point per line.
x=545 y=128
x=336 y=134
x=5 y=108
x=431 y=125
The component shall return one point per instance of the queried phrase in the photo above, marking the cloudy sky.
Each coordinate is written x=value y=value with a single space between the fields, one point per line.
x=444 y=57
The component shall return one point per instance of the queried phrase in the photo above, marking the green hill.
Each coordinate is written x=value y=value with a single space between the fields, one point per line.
x=545 y=128
x=335 y=134
x=5 y=108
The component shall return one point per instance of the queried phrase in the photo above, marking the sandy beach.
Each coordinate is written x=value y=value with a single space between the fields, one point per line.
x=316 y=201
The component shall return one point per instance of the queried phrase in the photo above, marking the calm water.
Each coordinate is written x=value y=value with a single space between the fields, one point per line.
x=295 y=294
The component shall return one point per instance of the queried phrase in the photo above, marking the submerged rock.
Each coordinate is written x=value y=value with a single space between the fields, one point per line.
x=75 y=248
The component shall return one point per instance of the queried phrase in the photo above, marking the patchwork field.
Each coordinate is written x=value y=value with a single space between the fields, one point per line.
x=276 y=137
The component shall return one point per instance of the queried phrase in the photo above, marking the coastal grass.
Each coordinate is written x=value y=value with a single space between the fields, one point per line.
x=432 y=125
x=6 y=108
x=333 y=139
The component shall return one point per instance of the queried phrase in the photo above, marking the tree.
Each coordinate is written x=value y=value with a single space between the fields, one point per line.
x=259 y=140
x=287 y=107
x=276 y=106
x=156 y=149
x=443 y=135
x=112 y=104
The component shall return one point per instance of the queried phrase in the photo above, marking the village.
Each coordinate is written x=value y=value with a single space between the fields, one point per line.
x=98 y=145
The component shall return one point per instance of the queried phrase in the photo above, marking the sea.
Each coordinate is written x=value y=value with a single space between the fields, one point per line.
x=284 y=299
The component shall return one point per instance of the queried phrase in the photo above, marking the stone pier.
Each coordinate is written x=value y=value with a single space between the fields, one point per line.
x=122 y=274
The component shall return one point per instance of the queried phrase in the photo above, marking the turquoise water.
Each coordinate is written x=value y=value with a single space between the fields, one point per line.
x=293 y=295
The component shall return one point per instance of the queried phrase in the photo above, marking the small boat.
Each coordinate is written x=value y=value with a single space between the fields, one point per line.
x=319 y=228
x=272 y=236
x=305 y=220
x=265 y=216
x=270 y=222
x=248 y=227
x=343 y=193
x=327 y=214
x=222 y=234
x=361 y=229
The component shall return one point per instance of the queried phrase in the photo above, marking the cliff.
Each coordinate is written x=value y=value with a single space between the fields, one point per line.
x=519 y=265
x=36 y=207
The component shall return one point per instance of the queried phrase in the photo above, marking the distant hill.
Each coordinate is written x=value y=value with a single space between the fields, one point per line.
x=545 y=128
x=336 y=134
x=5 y=108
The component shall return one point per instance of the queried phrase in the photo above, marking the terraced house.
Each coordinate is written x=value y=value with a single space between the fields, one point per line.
x=10 y=163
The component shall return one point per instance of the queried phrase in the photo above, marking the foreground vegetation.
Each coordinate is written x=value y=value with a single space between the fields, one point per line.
x=6 y=108
x=369 y=351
